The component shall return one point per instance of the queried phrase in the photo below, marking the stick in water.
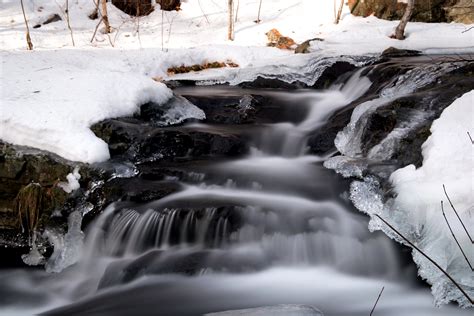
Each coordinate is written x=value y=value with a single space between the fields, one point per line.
x=378 y=297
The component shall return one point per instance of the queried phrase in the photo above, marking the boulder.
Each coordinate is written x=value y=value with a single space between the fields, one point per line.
x=461 y=12
x=424 y=11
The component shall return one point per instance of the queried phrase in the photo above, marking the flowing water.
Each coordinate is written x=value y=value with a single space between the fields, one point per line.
x=274 y=227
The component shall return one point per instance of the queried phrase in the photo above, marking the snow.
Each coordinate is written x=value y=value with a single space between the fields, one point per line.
x=416 y=209
x=72 y=183
x=51 y=97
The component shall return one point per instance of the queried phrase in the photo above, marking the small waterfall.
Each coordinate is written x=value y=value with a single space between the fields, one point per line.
x=272 y=227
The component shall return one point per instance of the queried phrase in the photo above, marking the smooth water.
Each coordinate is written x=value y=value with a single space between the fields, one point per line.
x=274 y=227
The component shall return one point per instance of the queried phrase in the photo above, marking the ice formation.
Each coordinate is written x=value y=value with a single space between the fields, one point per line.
x=67 y=248
x=416 y=208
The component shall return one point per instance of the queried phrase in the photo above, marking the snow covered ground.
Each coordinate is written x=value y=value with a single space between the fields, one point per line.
x=50 y=97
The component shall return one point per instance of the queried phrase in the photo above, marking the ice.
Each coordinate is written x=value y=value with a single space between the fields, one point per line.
x=67 y=248
x=177 y=110
x=34 y=257
x=348 y=141
x=415 y=210
x=389 y=145
x=72 y=183
x=346 y=166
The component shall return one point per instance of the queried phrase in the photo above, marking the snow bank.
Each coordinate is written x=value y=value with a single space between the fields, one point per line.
x=50 y=99
x=416 y=210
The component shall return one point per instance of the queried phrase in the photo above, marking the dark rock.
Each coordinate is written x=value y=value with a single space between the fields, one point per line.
x=392 y=52
x=267 y=83
x=50 y=19
x=134 y=7
x=332 y=73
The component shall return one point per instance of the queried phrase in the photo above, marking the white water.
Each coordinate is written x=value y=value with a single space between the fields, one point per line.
x=270 y=228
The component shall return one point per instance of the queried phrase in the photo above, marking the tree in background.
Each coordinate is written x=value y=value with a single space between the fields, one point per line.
x=339 y=11
x=400 y=30
x=230 y=30
x=105 y=17
x=28 y=37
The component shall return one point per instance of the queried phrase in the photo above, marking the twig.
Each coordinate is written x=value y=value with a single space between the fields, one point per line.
x=162 y=30
x=378 y=297
x=138 y=23
x=452 y=233
x=203 y=13
x=69 y=22
x=472 y=27
x=427 y=257
x=472 y=141
x=237 y=11
x=96 y=28
x=462 y=223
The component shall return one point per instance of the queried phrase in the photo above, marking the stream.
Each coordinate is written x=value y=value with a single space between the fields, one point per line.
x=273 y=226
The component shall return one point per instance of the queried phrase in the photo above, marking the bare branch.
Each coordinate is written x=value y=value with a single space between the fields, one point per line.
x=427 y=257
x=467 y=30
x=378 y=297
x=462 y=223
x=452 y=233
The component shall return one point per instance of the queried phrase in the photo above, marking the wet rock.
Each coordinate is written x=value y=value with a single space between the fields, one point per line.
x=332 y=73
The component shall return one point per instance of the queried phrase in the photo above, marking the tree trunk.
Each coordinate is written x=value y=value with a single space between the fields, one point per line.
x=259 y=9
x=105 y=18
x=400 y=30
x=339 y=12
x=230 y=32
x=28 y=37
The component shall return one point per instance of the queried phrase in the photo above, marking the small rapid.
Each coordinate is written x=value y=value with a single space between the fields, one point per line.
x=273 y=227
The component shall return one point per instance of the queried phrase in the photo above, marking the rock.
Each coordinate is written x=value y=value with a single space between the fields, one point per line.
x=303 y=48
x=134 y=7
x=461 y=12
x=396 y=52
x=424 y=11
x=276 y=310
x=145 y=7
x=51 y=19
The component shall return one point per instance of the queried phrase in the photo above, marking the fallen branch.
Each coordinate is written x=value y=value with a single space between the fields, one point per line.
x=427 y=257
x=378 y=297
x=472 y=141
x=462 y=223
x=454 y=236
